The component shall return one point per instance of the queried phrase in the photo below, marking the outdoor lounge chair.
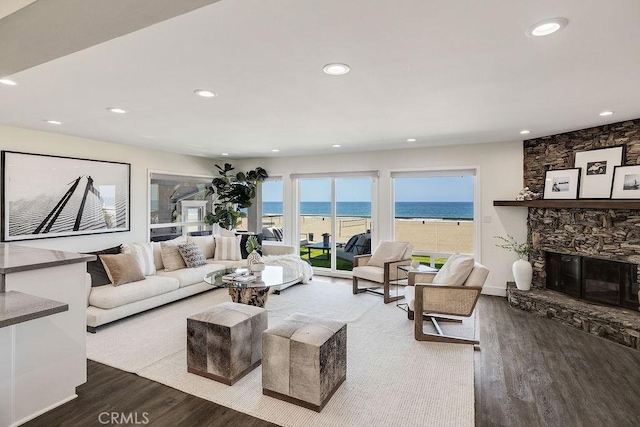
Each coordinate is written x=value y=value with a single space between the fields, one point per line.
x=359 y=244
x=275 y=234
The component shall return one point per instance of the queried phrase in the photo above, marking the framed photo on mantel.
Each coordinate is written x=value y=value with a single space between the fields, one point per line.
x=626 y=182
x=597 y=171
x=561 y=184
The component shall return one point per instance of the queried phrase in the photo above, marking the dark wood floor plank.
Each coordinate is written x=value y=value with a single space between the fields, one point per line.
x=111 y=390
x=539 y=372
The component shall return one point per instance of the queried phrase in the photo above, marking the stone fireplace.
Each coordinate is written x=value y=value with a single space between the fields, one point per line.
x=583 y=238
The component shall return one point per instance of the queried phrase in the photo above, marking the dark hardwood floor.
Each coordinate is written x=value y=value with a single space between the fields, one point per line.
x=109 y=390
x=530 y=371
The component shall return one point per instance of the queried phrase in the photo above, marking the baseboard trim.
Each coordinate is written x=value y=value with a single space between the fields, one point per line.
x=42 y=411
x=494 y=290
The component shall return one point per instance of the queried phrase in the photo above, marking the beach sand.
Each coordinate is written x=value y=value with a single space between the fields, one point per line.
x=425 y=235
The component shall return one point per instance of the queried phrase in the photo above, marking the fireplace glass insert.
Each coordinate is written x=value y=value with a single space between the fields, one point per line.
x=596 y=280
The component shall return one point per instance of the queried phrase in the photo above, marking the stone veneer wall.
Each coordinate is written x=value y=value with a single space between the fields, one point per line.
x=621 y=326
x=607 y=234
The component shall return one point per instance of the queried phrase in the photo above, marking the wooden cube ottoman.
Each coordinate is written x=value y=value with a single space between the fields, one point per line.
x=225 y=343
x=304 y=360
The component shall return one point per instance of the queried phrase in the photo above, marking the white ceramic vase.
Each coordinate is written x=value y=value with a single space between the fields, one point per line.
x=253 y=258
x=523 y=273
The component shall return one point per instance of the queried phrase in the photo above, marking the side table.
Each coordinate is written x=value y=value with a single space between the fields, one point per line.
x=412 y=275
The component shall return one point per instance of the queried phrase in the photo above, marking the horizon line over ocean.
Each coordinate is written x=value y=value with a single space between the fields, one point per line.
x=432 y=210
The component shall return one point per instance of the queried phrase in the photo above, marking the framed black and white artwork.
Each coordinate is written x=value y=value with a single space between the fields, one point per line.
x=626 y=182
x=597 y=171
x=561 y=184
x=47 y=196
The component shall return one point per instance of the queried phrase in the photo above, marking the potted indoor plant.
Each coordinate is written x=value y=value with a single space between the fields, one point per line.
x=234 y=192
x=522 y=270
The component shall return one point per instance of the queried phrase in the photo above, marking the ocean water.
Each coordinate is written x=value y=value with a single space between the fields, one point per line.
x=432 y=210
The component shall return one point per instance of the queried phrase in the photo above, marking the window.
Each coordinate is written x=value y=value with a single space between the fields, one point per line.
x=434 y=211
x=273 y=208
x=177 y=205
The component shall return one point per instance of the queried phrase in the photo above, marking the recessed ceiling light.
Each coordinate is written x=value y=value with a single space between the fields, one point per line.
x=336 y=69
x=205 y=93
x=546 y=27
x=117 y=110
x=411 y=140
x=53 y=122
x=224 y=154
x=8 y=82
x=336 y=145
x=275 y=150
x=525 y=131
x=606 y=113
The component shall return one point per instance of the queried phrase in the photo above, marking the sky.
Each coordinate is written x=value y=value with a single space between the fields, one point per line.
x=427 y=189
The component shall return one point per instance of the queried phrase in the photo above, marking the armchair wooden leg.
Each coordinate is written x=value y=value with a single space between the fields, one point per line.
x=355 y=287
x=418 y=330
x=445 y=339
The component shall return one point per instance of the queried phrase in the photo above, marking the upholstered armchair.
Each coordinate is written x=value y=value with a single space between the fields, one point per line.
x=453 y=291
x=381 y=267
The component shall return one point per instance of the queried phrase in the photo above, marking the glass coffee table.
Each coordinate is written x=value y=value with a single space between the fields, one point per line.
x=254 y=292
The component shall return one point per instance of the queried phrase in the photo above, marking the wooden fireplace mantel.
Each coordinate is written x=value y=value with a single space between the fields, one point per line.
x=580 y=204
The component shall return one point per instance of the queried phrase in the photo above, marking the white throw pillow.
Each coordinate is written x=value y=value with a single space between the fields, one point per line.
x=386 y=252
x=226 y=233
x=455 y=271
x=227 y=248
x=144 y=254
x=157 y=256
x=207 y=244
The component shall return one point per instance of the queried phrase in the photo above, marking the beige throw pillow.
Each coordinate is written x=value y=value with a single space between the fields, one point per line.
x=171 y=257
x=455 y=271
x=227 y=248
x=122 y=268
x=207 y=244
x=386 y=252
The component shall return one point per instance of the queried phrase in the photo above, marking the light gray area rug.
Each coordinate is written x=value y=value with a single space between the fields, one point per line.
x=392 y=380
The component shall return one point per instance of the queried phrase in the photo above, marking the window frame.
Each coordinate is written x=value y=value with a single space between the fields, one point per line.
x=182 y=224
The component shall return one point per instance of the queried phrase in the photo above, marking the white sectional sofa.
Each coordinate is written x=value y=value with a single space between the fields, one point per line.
x=108 y=303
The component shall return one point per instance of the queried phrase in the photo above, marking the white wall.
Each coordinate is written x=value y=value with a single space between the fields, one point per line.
x=499 y=177
x=141 y=159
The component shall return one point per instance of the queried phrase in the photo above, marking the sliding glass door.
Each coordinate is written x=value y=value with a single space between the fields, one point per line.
x=353 y=220
x=335 y=220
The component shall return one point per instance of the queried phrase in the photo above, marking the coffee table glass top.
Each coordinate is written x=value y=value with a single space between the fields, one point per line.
x=420 y=269
x=271 y=276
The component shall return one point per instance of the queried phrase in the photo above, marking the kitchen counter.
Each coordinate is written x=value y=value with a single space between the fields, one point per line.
x=17 y=307
x=43 y=300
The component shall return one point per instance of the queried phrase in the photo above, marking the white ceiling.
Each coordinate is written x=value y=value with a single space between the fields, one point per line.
x=441 y=71
x=7 y=7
